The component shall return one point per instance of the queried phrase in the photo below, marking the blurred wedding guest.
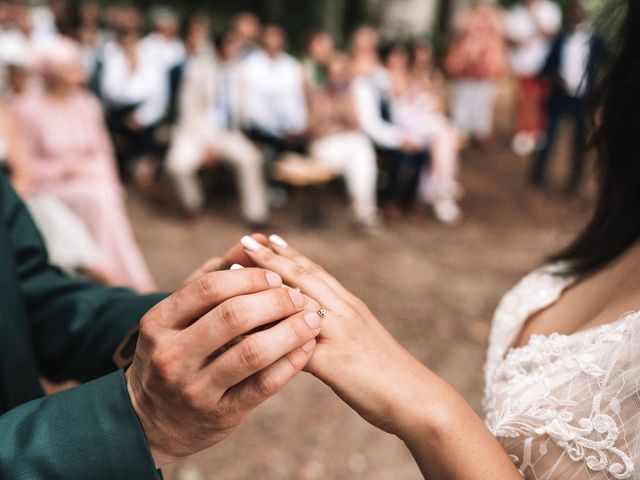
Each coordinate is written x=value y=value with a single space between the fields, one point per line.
x=18 y=64
x=320 y=49
x=92 y=37
x=135 y=88
x=248 y=30
x=207 y=128
x=373 y=96
x=418 y=108
x=572 y=68
x=68 y=156
x=21 y=33
x=476 y=60
x=530 y=26
x=274 y=106
x=338 y=142
x=164 y=43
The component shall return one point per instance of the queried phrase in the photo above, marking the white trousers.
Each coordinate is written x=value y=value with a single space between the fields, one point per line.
x=186 y=155
x=473 y=106
x=351 y=155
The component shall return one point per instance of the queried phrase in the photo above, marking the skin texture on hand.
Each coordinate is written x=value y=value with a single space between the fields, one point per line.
x=200 y=365
x=382 y=381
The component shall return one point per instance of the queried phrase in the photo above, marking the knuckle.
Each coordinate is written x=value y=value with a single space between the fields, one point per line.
x=191 y=396
x=268 y=255
x=251 y=354
x=296 y=331
x=207 y=287
x=229 y=315
x=147 y=330
x=163 y=362
x=300 y=271
x=266 y=386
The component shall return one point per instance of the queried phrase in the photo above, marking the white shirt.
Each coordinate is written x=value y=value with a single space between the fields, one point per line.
x=274 y=100
x=170 y=52
x=147 y=86
x=527 y=58
x=575 y=59
x=368 y=96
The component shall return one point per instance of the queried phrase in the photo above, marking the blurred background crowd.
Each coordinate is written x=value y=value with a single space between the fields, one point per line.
x=95 y=97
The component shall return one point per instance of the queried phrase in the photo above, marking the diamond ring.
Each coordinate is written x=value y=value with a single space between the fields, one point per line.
x=322 y=312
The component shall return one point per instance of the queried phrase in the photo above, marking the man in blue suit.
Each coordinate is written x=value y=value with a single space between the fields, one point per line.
x=572 y=67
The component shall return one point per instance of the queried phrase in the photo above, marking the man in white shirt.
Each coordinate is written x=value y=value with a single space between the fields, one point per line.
x=274 y=102
x=530 y=26
x=134 y=86
x=571 y=67
x=164 y=43
x=207 y=128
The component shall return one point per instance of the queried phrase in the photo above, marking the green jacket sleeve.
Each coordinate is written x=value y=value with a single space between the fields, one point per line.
x=75 y=325
x=88 y=432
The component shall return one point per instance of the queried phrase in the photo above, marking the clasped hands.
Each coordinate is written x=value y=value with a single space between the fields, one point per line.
x=231 y=338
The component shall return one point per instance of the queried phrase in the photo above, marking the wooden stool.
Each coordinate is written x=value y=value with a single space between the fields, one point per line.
x=308 y=176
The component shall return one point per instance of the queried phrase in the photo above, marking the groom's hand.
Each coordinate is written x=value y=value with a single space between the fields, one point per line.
x=189 y=383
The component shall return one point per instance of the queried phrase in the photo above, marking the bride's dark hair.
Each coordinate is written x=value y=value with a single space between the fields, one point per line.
x=615 y=127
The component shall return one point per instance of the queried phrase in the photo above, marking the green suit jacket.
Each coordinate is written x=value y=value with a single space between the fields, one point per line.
x=62 y=328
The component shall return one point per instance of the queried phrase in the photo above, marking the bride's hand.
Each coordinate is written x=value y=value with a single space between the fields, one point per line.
x=355 y=355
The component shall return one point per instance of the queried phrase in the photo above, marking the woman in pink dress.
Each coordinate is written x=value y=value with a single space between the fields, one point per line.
x=69 y=156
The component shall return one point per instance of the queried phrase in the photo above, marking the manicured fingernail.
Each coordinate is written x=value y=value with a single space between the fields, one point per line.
x=296 y=298
x=310 y=345
x=250 y=244
x=273 y=279
x=236 y=266
x=313 y=320
x=278 y=240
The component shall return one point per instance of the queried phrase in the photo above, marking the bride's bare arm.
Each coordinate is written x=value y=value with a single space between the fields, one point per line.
x=383 y=382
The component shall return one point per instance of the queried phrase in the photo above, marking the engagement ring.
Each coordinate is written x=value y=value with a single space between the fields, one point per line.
x=322 y=312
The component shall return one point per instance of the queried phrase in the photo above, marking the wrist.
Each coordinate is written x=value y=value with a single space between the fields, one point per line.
x=160 y=458
x=425 y=411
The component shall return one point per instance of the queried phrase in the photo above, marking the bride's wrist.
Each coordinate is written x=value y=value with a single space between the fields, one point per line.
x=426 y=411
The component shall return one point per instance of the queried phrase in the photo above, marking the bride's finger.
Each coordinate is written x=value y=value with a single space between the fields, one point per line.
x=281 y=247
x=293 y=274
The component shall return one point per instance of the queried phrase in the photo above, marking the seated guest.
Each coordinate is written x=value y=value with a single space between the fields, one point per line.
x=319 y=52
x=164 y=43
x=246 y=27
x=572 y=68
x=207 y=127
x=418 y=106
x=135 y=88
x=68 y=241
x=274 y=106
x=338 y=141
x=372 y=90
x=68 y=155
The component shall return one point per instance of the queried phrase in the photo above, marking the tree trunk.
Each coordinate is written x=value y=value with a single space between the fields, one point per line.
x=333 y=21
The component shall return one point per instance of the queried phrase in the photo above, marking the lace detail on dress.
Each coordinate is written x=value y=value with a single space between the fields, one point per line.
x=564 y=406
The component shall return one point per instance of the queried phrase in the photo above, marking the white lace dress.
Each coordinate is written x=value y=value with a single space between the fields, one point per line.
x=564 y=407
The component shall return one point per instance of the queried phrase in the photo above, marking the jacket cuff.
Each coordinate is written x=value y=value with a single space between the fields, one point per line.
x=90 y=431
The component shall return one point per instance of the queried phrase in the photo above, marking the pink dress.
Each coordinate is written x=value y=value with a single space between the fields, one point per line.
x=70 y=157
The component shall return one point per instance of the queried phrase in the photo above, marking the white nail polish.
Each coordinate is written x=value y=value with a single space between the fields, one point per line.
x=278 y=241
x=236 y=266
x=250 y=244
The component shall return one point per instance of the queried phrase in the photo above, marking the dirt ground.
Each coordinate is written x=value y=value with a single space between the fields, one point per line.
x=434 y=287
